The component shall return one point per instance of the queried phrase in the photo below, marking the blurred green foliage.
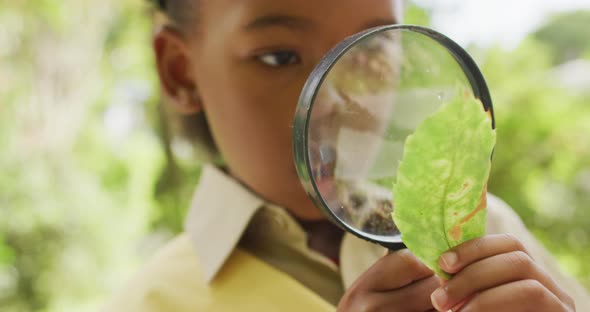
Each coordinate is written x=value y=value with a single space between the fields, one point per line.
x=563 y=35
x=82 y=152
x=542 y=160
x=90 y=187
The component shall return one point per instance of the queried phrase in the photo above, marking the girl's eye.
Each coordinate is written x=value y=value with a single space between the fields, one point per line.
x=279 y=58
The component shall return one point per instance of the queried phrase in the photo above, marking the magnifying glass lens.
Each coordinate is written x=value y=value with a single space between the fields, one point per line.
x=358 y=107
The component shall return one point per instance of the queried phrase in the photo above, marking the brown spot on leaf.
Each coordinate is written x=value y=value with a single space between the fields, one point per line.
x=455 y=232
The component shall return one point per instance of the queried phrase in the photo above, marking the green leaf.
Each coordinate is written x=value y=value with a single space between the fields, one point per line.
x=440 y=191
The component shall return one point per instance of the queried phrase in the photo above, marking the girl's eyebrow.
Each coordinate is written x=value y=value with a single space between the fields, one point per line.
x=287 y=21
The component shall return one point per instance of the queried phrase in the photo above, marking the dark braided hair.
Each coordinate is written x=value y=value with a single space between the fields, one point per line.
x=161 y=4
x=179 y=11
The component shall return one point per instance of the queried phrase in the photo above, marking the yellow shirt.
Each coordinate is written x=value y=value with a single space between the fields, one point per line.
x=240 y=253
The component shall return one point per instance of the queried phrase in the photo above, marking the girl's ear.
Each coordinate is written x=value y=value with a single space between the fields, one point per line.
x=174 y=68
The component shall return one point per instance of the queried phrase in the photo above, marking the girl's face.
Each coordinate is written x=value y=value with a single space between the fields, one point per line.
x=247 y=61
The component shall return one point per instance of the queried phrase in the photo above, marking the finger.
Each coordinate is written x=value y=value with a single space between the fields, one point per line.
x=416 y=296
x=461 y=304
x=489 y=273
x=477 y=249
x=413 y=297
x=393 y=271
x=523 y=295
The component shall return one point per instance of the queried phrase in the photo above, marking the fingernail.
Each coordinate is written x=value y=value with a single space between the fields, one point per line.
x=449 y=259
x=439 y=299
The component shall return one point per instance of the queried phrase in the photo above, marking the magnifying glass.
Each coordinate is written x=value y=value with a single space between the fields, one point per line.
x=355 y=111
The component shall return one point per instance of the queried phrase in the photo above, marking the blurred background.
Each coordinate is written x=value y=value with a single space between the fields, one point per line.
x=92 y=181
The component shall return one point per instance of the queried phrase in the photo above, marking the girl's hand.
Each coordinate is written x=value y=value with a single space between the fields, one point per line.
x=495 y=273
x=397 y=282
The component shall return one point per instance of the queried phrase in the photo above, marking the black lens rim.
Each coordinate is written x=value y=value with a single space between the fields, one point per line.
x=315 y=80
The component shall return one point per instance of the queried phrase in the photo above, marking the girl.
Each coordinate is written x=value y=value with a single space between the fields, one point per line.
x=254 y=241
